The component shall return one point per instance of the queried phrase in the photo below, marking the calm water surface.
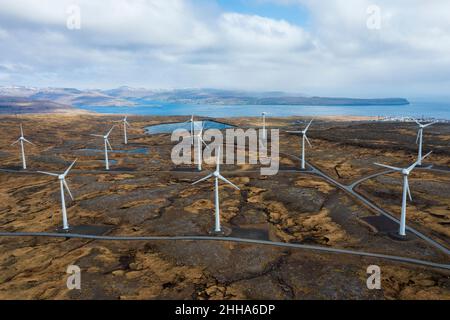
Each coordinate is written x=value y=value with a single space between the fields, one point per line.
x=438 y=110
x=170 y=127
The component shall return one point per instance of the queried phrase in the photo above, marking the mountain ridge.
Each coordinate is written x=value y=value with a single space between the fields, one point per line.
x=126 y=96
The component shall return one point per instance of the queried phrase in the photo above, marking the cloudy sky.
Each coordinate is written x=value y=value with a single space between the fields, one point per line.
x=328 y=48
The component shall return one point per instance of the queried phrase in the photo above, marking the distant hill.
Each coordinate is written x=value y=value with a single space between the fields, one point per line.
x=220 y=97
x=11 y=105
x=31 y=99
x=20 y=105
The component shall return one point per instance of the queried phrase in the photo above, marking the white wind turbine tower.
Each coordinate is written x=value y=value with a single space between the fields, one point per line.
x=419 y=139
x=216 y=174
x=22 y=140
x=125 y=124
x=200 y=141
x=263 y=114
x=304 y=137
x=107 y=144
x=191 y=121
x=62 y=185
x=406 y=191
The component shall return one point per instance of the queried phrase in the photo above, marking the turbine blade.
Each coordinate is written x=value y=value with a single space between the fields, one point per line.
x=67 y=188
x=69 y=168
x=203 y=179
x=294 y=131
x=96 y=135
x=15 y=142
x=21 y=130
x=109 y=144
x=307 y=127
x=386 y=166
x=127 y=124
x=427 y=155
x=411 y=167
x=48 y=173
x=109 y=132
x=205 y=143
x=28 y=141
x=229 y=182
x=408 y=190
x=415 y=120
x=418 y=136
x=429 y=124
x=307 y=140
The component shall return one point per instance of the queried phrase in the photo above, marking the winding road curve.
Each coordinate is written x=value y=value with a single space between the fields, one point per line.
x=227 y=239
x=314 y=170
x=349 y=189
x=355 y=183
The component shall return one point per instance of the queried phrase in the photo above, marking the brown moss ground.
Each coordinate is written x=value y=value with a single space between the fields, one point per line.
x=152 y=199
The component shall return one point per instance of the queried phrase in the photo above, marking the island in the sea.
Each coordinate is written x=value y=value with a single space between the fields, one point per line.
x=18 y=99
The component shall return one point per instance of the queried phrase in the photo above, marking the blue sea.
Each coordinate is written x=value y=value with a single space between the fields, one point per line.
x=437 y=110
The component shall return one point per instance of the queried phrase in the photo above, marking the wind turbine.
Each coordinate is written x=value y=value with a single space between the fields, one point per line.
x=191 y=121
x=419 y=139
x=199 y=147
x=406 y=191
x=263 y=114
x=62 y=185
x=304 y=137
x=22 y=140
x=125 y=124
x=107 y=144
x=216 y=174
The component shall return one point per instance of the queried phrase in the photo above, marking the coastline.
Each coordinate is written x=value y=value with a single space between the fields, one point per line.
x=69 y=114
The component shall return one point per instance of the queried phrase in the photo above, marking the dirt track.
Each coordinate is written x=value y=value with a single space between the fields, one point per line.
x=152 y=199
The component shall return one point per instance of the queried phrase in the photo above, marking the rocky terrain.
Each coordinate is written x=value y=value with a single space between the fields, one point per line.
x=146 y=194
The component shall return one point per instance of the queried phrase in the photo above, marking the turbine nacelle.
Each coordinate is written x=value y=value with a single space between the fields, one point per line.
x=421 y=125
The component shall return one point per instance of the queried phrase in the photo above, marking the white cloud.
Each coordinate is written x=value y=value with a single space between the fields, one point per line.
x=176 y=43
x=3 y=34
x=257 y=33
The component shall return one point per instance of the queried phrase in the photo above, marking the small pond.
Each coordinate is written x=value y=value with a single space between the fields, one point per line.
x=170 y=127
